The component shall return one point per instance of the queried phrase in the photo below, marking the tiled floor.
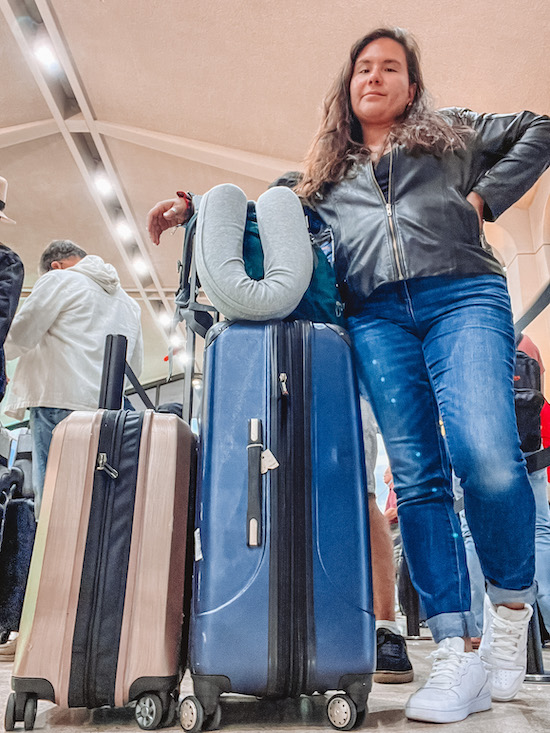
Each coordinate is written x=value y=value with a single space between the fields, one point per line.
x=529 y=713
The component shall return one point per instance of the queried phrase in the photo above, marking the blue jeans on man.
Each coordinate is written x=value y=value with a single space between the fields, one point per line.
x=443 y=347
x=42 y=422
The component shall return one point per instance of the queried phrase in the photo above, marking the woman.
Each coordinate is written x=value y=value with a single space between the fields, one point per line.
x=405 y=190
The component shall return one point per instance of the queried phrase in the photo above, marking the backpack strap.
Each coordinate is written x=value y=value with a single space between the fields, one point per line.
x=538 y=460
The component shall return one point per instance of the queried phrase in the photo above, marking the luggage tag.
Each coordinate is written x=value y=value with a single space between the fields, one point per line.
x=268 y=461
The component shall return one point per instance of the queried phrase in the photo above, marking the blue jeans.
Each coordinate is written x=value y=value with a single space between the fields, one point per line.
x=477 y=579
x=443 y=347
x=538 y=481
x=42 y=422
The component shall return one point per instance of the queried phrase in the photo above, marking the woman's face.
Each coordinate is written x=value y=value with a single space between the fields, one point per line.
x=379 y=86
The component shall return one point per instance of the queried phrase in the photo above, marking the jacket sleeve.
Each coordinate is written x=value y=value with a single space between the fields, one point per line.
x=135 y=359
x=518 y=146
x=36 y=315
x=11 y=282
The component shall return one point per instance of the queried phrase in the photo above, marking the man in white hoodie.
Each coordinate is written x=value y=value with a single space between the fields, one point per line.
x=59 y=336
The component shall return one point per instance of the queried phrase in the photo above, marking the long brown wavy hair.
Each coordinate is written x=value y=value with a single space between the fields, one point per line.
x=338 y=143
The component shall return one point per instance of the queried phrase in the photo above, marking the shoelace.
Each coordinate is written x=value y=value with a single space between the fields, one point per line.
x=446 y=663
x=505 y=639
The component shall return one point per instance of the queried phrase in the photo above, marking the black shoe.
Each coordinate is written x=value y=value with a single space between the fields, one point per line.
x=392 y=662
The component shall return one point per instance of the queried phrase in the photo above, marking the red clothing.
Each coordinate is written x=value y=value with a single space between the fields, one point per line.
x=531 y=349
x=391 y=503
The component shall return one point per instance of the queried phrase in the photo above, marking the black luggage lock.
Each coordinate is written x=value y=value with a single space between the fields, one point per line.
x=254 y=513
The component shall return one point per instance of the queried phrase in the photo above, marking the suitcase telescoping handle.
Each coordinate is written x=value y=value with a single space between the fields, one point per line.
x=115 y=368
x=254 y=514
x=112 y=377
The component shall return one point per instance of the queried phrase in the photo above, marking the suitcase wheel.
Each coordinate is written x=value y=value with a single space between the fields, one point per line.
x=9 y=717
x=212 y=722
x=342 y=712
x=170 y=714
x=29 y=712
x=148 y=711
x=191 y=714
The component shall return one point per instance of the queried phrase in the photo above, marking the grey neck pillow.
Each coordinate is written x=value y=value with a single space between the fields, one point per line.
x=288 y=255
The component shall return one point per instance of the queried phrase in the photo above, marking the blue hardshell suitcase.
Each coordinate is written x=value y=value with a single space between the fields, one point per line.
x=282 y=601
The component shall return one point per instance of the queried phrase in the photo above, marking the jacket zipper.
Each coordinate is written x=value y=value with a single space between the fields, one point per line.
x=389 y=213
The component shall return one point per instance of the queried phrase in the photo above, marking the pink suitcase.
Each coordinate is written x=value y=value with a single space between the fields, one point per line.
x=102 y=617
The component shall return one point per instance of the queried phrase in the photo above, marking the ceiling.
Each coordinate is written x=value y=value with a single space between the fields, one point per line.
x=168 y=94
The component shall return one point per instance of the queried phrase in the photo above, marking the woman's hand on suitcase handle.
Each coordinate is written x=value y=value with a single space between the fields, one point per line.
x=164 y=215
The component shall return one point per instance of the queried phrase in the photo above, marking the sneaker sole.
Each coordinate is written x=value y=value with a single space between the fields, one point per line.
x=506 y=696
x=392 y=677
x=479 y=705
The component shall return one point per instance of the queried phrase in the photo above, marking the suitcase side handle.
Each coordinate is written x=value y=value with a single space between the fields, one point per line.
x=254 y=513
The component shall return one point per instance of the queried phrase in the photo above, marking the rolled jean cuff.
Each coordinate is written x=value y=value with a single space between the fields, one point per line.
x=447 y=625
x=502 y=595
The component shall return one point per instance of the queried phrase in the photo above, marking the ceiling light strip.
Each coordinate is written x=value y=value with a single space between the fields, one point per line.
x=81 y=164
x=66 y=63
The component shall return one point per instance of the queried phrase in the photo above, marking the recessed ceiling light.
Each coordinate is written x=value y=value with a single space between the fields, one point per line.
x=182 y=359
x=103 y=184
x=164 y=318
x=124 y=230
x=140 y=266
x=176 y=340
x=45 y=55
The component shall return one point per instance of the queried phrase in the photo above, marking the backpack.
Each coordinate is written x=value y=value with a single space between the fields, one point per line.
x=528 y=399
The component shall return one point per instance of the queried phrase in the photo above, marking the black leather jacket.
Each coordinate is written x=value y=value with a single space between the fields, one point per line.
x=11 y=281
x=426 y=227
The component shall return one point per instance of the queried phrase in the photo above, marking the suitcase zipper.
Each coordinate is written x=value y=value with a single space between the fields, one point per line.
x=100 y=608
x=290 y=535
x=102 y=465
x=303 y=657
x=90 y=666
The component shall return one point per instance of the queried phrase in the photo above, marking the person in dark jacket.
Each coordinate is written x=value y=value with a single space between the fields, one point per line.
x=405 y=189
x=11 y=282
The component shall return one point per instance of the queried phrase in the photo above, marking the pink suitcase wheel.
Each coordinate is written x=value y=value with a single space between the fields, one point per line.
x=9 y=718
x=148 y=711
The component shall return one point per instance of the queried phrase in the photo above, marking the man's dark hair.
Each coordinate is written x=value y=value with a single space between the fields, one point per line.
x=59 y=249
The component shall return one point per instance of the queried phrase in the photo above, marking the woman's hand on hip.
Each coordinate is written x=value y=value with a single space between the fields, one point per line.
x=478 y=203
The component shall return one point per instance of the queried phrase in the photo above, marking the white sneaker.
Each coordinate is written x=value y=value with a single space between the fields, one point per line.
x=7 y=650
x=503 y=647
x=457 y=686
